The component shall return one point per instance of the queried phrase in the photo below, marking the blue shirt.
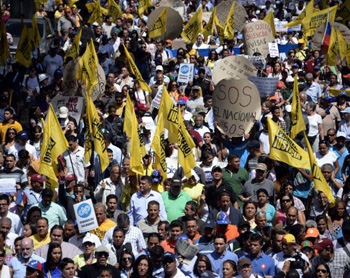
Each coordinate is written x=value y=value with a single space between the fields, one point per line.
x=239 y=149
x=217 y=261
x=341 y=158
x=262 y=265
x=18 y=265
x=56 y=273
x=313 y=92
x=138 y=206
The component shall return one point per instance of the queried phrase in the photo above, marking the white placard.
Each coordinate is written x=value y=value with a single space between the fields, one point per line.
x=85 y=216
x=156 y=101
x=273 y=50
x=8 y=186
x=74 y=104
x=185 y=73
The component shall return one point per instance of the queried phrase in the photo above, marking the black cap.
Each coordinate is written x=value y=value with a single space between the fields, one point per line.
x=210 y=224
x=216 y=168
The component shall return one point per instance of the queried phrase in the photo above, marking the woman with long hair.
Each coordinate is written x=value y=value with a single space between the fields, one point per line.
x=202 y=264
x=338 y=214
x=126 y=260
x=212 y=58
x=142 y=267
x=37 y=139
x=277 y=71
x=10 y=139
x=54 y=256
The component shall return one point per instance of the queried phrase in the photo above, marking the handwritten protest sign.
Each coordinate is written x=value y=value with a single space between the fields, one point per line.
x=273 y=50
x=85 y=216
x=257 y=35
x=258 y=61
x=236 y=106
x=240 y=14
x=8 y=186
x=233 y=67
x=74 y=104
x=174 y=23
x=266 y=86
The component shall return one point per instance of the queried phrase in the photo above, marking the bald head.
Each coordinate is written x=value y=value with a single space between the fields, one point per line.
x=26 y=248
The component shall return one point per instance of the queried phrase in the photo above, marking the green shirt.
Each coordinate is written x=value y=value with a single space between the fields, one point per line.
x=235 y=180
x=175 y=207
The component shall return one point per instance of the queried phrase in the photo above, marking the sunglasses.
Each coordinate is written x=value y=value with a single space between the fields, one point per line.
x=103 y=254
x=321 y=270
x=127 y=259
x=285 y=201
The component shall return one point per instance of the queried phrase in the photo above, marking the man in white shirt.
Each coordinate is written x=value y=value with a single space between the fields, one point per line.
x=22 y=143
x=199 y=127
x=5 y=226
x=111 y=185
x=17 y=226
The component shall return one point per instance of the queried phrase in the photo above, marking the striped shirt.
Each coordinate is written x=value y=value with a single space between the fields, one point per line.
x=16 y=174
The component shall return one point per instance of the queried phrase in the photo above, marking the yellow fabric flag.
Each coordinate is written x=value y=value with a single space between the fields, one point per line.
x=283 y=148
x=137 y=149
x=87 y=67
x=318 y=178
x=344 y=11
x=73 y=51
x=332 y=53
x=4 y=47
x=24 y=49
x=169 y=116
x=37 y=5
x=270 y=19
x=72 y=3
x=95 y=134
x=159 y=26
x=209 y=28
x=185 y=146
x=114 y=10
x=135 y=71
x=313 y=21
x=309 y=9
x=297 y=119
x=344 y=48
x=143 y=6
x=36 y=34
x=54 y=144
x=193 y=27
x=229 y=29
x=158 y=142
x=97 y=11
x=220 y=31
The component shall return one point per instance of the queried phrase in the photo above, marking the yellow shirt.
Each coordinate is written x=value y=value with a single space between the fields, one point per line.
x=80 y=261
x=5 y=126
x=103 y=228
x=194 y=191
x=38 y=241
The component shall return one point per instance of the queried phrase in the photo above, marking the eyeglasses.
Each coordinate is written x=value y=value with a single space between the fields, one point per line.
x=127 y=259
x=285 y=200
x=329 y=135
x=103 y=254
x=321 y=270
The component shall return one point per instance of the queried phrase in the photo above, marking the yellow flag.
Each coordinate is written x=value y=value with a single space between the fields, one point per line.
x=4 y=47
x=297 y=119
x=306 y=12
x=54 y=144
x=193 y=27
x=72 y=3
x=137 y=149
x=344 y=11
x=283 y=148
x=185 y=146
x=270 y=19
x=318 y=178
x=114 y=10
x=209 y=28
x=73 y=51
x=220 y=30
x=170 y=116
x=158 y=142
x=135 y=71
x=24 y=49
x=229 y=29
x=97 y=11
x=332 y=53
x=311 y=22
x=344 y=48
x=36 y=34
x=37 y=5
x=87 y=67
x=94 y=126
x=159 y=26
x=143 y=6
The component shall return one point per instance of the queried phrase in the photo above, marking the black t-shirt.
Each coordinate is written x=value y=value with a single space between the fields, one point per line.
x=92 y=271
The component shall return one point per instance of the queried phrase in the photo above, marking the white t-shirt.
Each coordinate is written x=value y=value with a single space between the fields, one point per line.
x=141 y=96
x=314 y=121
x=52 y=64
x=329 y=158
x=16 y=148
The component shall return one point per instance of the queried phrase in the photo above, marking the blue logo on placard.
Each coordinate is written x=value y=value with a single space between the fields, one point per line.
x=84 y=210
x=185 y=69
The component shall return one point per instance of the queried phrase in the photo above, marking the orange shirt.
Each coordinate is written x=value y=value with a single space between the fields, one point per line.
x=196 y=236
x=168 y=245
x=231 y=231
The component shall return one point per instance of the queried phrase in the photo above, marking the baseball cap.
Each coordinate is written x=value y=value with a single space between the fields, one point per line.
x=288 y=238
x=240 y=37
x=159 y=68
x=301 y=41
x=42 y=77
x=95 y=24
x=324 y=243
x=71 y=177
x=63 y=112
x=254 y=145
x=306 y=244
x=273 y=98
x=141 y=106
x=310 y=224
x=216 y=168
x=262 y=167
x=104 y=37
x=168 y=256
x=181 y=102
x=22 y=135
x=290 y=30
x=244 y=261
x=346 y=110
x=327 y=96
x=295 y=65
x=316 y=68
x=34 y=264
x=176 y=182
x=156 y=176
x=222 y=219
x=89 y=238
x=101 y=249
x=312 y=232
x=208 y=274
x=210 y=224
x=38 y=178
x=341 y=134
x=196 y=87
x=343 y=94
x=58 y=72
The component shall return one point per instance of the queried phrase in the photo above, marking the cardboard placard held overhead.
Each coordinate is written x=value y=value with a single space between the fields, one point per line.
x=240 y=14
x=317 y=38
x=236 y=106
x=273 y=50
x=177 y=5
x=233 y=67
x=85 y=216
x=74 y=104
x=185 y=73
x=173 y=26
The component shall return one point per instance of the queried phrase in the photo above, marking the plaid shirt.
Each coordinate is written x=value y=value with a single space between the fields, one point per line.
x=337 y=266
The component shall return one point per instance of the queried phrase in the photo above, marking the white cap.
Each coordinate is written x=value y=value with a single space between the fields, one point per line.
x=290 y=79
x=159 y=68
x=43 y=77
x=341 y=134
x=95 y=24
x=63 y=112
x=288 y=108
x=88 y=238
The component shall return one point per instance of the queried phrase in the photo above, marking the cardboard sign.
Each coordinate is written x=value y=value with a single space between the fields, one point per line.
x=279 y=25
x=236 y=106
x=317 y=38
x=177 y=5
x=273 y=50
x=240 y=14
x=233 y=67
x=266 y=86
x=8 y=186
x=74 y=104
x=85 y=216
x=185 y=73
x=174 y=23
x=258 y=61
x=257 y=35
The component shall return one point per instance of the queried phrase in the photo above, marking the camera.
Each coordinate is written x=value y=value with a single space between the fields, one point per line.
x=299 y=262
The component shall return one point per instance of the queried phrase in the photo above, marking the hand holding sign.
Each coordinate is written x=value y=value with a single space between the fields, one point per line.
x=236 y=106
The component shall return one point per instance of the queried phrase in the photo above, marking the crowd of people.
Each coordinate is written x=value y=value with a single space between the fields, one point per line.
x=239 y=214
